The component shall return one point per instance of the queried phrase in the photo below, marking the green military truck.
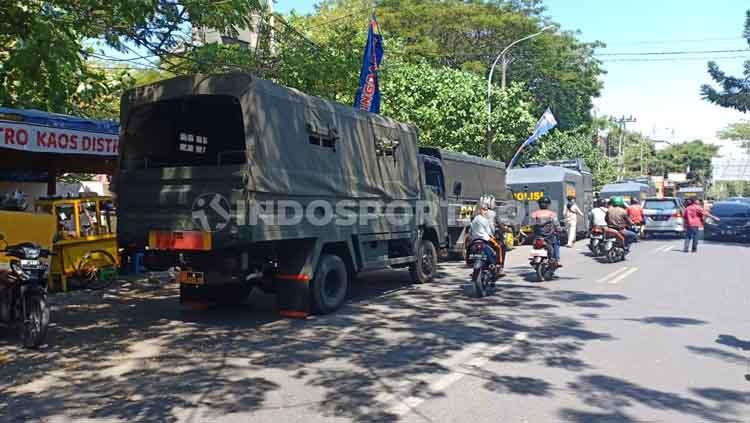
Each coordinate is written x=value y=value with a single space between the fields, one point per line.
x=239 y=182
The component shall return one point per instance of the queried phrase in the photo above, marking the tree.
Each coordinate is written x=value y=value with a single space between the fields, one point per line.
x=558 y=70
x=693 y=158
x=739 y=131
x=639 y=155
x=449 y=108
x=572 y=144
x=734 y=92
x=44 y=46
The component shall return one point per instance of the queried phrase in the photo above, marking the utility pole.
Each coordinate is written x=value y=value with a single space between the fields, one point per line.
x=622 y=124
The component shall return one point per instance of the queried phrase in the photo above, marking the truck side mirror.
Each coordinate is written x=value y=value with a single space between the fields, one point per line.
x=457 y=188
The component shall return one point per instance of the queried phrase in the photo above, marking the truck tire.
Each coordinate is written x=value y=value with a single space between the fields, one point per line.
x=424 y=268
x=329 y=286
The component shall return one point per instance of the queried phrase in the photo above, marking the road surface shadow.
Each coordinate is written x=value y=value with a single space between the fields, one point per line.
x=137 y=357
x=613 y=395
x=668 y=322
x=733 y=341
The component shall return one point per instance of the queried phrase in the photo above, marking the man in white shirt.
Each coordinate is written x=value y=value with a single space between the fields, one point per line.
x=482 y=227
x=599 y=215
x=572 y=211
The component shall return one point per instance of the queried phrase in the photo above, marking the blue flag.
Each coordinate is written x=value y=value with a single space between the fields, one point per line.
x=368 y=93
x=545 y=124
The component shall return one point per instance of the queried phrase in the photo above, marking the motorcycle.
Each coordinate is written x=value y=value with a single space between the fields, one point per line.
x=484 y=274
x=596 y=242
x=540 y=259
x=614 y=245
x=23 y=291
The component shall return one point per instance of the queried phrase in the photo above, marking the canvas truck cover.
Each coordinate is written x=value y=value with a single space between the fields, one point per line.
x=297 y=145
x=625 y=189
x=478 y=176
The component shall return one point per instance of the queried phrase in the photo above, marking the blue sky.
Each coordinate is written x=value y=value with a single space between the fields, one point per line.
x=663 y=95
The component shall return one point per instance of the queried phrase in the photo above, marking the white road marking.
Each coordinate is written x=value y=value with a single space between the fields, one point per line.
x=663 y=249
x=484 y=354
x=624 y=275
x=612 y=275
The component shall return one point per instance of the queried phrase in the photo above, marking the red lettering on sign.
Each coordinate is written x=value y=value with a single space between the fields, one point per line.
x=74 y=142
x=51 y=140
x=40 y=141
x=9 y=138
x=22 y=137
x=62 y=140
x=86 y=143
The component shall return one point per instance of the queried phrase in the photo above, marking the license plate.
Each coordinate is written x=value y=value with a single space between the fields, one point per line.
x=477 y=257
x=191 y=278
x=29 y=264
x=597 y=237
x=538 y=253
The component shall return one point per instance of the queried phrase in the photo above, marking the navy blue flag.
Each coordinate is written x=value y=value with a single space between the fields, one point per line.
x=368 y=93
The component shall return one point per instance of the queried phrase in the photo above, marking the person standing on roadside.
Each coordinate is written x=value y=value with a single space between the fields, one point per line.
x=572 y=211
x=695 y=216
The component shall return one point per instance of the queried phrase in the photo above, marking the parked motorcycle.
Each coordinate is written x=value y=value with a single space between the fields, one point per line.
x=596 y=242
x=540 y=259
x=23 y=291
x=484 y=274
x=614 y=245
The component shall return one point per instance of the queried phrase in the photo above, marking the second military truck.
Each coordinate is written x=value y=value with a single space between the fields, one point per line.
x=239 y=182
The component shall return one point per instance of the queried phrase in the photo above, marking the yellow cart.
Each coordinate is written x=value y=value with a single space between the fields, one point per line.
x=85 y=243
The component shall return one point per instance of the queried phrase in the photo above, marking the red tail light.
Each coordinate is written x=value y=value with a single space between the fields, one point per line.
x=596 y=231
x=539 y=243
x=677 y=214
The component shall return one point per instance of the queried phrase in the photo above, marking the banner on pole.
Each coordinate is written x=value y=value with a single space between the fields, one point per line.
x=368 y=93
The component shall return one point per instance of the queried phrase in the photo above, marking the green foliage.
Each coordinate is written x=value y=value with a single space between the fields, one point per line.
x=559 y=71
x=739 y=131
x=725 y=189
x=694 y=156
x=733 y=92
x=43 y=51
x=449 y=108
x=639 y=155
x=572 y=144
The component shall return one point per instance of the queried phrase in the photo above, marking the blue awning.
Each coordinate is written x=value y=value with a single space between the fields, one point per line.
x=56 y=120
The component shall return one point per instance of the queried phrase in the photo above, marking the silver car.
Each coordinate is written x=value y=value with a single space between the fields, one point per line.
x=663 y=216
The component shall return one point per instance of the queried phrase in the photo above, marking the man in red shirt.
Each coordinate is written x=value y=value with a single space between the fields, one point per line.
x=695 y=216
x=635 y=213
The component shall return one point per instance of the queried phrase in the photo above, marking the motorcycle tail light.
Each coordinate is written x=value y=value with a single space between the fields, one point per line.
x=539 y=243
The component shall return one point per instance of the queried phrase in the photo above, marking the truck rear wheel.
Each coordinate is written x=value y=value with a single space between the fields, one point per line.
x=329 y=286
x=424 y=268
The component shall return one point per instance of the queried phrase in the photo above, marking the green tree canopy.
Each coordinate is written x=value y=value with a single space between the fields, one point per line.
x=693 y=157
x=733 y=92
x=449 y=108
x=572 y=144
x=44 y=45
x=739 y=131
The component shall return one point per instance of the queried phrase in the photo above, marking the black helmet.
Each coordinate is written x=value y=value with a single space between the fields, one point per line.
x=544 y=202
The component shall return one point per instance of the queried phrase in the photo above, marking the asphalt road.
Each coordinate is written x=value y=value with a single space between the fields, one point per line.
x=662 y=337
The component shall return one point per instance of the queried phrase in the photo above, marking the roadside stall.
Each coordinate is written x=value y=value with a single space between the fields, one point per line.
x=79 y=229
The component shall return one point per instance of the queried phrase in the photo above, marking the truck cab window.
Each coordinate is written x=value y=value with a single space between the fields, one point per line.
x=434 y=178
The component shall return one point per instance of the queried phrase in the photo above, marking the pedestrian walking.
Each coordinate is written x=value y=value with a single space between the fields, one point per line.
x=695 y=216
x=572 y=211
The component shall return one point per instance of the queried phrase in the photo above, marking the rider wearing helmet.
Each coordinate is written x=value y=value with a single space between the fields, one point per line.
x=617 y=218
x=547 y=225
x=483 y=228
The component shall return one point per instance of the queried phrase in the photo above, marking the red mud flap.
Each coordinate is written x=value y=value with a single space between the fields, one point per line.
x=293 y=293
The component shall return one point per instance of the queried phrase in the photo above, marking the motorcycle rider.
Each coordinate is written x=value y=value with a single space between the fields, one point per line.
x=598 y=215
x=617 y=218
x=547 y=225
x=635 y=213
x=483 y=228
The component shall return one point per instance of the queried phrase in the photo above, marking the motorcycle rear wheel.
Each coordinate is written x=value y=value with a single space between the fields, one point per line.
x=477 y=278
x=35 y=322
x=540 y=272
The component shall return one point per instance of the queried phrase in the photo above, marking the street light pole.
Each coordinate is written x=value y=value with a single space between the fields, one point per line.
x=504 y=69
